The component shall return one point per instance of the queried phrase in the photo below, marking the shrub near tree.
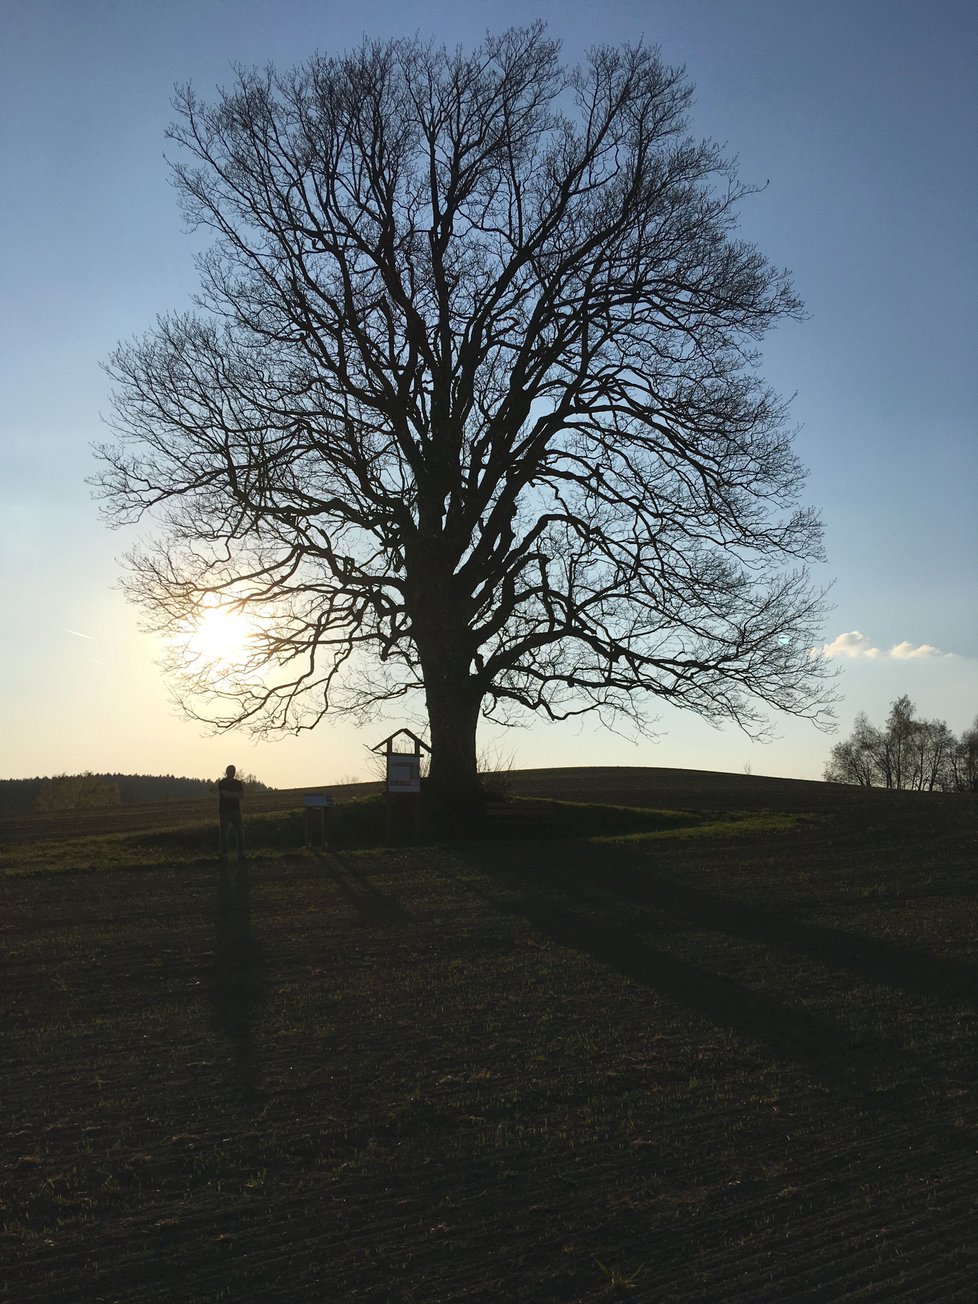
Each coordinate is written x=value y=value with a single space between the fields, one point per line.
x=919 y=755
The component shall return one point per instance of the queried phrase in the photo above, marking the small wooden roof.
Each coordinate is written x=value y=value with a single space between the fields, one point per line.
x=386 y=744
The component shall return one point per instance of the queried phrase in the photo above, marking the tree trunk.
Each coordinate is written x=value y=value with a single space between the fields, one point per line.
x=453 y=717
x=439 y=609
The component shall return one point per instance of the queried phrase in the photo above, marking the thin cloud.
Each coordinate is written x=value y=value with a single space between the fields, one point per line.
x=855 y=644
x=904 y=651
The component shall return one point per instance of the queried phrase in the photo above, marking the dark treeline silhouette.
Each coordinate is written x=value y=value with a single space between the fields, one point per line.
x=919 y=755
x=76 y=791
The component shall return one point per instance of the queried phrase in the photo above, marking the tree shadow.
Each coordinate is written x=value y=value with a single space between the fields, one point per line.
x=372 y=905
x=593 y=902
x=892 y=964
x=237 y=986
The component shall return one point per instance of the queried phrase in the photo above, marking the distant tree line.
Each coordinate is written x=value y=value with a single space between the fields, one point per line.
x=908 y=753
x=88 y=790
x=76 y=792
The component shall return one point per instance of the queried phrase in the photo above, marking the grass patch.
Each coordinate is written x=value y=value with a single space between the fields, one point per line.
x=593 y=819
x=362 y=824
x=724 y=825
x=93 y=854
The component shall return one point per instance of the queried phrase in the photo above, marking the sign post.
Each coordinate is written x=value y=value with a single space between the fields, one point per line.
x=403 y=781
x=316 y=805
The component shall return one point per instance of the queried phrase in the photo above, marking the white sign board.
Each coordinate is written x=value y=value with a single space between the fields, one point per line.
x=317 y=799
x=403 y=772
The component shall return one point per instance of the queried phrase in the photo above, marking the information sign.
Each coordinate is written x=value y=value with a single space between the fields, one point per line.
x=403 y=772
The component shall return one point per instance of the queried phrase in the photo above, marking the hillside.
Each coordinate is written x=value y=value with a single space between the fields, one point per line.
x=657 y=788
x=689 y=789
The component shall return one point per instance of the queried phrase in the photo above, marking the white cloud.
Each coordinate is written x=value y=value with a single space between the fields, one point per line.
x=903 y=651
x=856 y=644
x=852 y=644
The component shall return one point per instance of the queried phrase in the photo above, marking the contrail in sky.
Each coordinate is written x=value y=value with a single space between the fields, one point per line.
x=76 y=634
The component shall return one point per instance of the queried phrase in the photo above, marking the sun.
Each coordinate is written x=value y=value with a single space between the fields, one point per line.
x=220 y=634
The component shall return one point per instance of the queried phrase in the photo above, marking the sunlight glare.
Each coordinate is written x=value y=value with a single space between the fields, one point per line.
x=220 y=635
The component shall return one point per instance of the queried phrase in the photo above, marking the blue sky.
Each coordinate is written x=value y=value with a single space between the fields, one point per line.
x=861 y=115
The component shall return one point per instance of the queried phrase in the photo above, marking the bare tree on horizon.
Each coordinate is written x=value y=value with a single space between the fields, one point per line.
x=470 y=407
x=908 y=754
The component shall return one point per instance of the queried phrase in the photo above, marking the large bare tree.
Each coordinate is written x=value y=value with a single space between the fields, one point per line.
x=470 y=405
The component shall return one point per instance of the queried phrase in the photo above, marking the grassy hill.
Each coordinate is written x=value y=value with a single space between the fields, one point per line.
x=699 y=791
x=730 y=1060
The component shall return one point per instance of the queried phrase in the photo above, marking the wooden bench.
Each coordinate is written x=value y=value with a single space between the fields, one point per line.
x=532 y=816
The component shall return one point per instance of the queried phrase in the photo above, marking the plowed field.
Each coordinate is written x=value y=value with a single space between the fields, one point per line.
x=715 y=1067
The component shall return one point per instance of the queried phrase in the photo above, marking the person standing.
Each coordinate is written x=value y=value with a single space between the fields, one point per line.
x=230 y=791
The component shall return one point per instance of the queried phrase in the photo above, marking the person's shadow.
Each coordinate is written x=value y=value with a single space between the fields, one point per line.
x=237 y=980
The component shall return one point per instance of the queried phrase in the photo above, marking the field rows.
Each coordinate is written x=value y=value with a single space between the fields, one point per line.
x=743 y=1066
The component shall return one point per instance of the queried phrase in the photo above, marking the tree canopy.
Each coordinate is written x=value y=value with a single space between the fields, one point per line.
x=909 y=753
x=470 y=404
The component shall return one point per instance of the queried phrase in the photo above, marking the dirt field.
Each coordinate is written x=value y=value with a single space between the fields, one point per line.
x=718 y=1068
